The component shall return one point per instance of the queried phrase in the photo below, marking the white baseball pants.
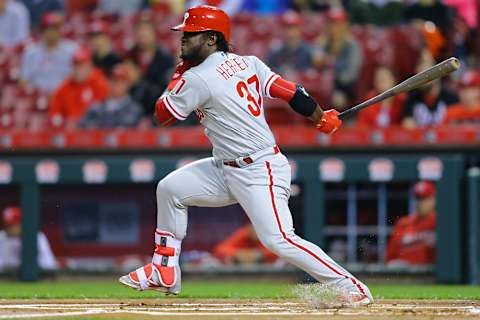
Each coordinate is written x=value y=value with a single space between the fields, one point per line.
x=262 y=188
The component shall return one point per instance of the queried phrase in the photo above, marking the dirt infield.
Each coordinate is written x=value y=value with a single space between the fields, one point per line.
x=233 y=309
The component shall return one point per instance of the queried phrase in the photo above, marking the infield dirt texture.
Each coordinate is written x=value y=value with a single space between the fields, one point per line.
x=228 y=300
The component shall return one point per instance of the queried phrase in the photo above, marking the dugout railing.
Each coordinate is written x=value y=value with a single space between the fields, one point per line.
x=316 y=173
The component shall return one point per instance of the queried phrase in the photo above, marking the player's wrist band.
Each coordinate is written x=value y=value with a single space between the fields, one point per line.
x=302 y=102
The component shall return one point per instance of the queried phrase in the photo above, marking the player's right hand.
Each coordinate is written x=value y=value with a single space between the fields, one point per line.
x=329 y=123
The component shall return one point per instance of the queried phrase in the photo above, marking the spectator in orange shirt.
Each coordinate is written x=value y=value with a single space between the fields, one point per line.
x=468 y=110
x=243 y=247
x=387 y=112
x=413 y=238
x=85 y=86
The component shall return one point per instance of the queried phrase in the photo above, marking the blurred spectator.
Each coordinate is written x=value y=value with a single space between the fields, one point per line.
x=37 y=8
x=340 y=51
x=294 y=54
x=267 y=7
x=47 y=63
x=387 y=112
x=14 y=23
x=243 y=248
x=155 y=65
x=231 y=7
x=429 y=10
x=124 y=8
x=434 y=40
x=467 y=9
x=413 y=237
x=427 y=106
x=11 y=243
x=175 y=7
x=468 y=109
x=74 y=6
x=312 y=5
x=103 y=55
x=86 y=86
x=377 y=12
x=119 y=109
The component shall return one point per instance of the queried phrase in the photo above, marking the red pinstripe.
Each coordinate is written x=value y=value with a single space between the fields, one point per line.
x=268 y=82
x=173 y=109
x=272 y=197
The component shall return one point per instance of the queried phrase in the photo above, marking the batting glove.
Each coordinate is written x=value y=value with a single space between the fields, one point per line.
x=329 y=123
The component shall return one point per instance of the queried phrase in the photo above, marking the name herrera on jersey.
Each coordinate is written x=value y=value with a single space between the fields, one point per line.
x=231 y=66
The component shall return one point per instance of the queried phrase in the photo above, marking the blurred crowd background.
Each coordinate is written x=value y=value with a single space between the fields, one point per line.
x=103 y=63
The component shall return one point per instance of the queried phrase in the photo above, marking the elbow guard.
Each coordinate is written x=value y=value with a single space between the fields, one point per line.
x=302 y=102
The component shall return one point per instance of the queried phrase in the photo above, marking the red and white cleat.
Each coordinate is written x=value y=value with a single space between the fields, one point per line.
x=356 y=299
x=149 y=277
x=363 y=297
x=164 y=273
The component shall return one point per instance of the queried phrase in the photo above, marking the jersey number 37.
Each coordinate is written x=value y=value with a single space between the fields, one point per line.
x=243 y=90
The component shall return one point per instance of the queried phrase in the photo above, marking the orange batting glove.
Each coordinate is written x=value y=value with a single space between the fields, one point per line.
x=329 y=123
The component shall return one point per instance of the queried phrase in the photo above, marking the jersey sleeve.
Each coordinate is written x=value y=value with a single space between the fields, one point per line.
x=188 y=94
x=265 y=75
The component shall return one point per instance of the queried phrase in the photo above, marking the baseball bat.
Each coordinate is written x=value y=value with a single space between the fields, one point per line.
x=437 y=71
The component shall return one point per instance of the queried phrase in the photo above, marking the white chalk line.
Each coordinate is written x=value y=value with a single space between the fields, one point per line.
x=182 y=314
x=87 y=304
x=209 y=306
x=50 y=315
x=197 y=309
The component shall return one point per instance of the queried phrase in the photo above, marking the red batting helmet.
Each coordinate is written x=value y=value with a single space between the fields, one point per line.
x=205 y=18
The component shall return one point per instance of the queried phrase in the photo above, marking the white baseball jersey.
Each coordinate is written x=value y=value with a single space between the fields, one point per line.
x=226 y=91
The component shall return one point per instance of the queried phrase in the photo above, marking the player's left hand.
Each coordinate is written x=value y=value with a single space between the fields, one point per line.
x=329 y=123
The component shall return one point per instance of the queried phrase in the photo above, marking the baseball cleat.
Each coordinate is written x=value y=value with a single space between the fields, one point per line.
x=357 y=300
x=149 y=277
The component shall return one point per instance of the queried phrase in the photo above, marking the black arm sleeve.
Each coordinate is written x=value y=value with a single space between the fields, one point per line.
x=302 y=102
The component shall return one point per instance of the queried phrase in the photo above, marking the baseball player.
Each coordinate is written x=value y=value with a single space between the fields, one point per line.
x=227 y=91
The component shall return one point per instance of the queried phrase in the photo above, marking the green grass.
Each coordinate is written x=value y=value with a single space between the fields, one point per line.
x=216 y=289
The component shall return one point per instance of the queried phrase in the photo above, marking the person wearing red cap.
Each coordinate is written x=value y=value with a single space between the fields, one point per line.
x=413 y=238
x=338 y=50
x=294 y=54
x=10 y=243
x=119 y=109
x=48 y=62
x=226 y=91
x=85 y=86
x=468 y=109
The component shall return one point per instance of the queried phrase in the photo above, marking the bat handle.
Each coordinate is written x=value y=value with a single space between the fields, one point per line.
x=345 y=113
